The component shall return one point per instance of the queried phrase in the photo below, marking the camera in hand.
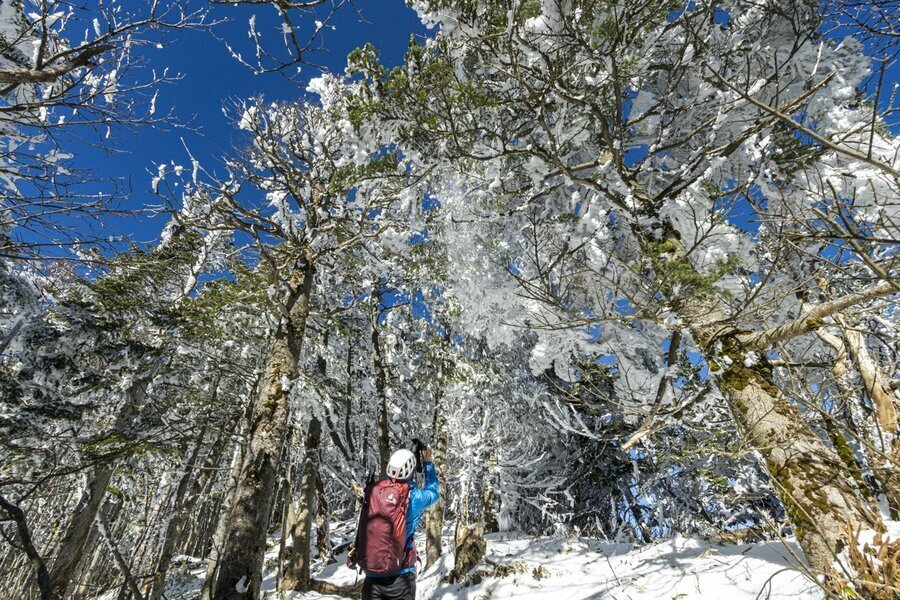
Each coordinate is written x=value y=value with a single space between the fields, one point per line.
x=418 y=446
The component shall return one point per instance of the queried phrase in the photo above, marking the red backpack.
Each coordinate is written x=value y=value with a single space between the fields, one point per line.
x=381 y=532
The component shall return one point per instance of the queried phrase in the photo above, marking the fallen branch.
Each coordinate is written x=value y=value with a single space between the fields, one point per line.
x=347 y=591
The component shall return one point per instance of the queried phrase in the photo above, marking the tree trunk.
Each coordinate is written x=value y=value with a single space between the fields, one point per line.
x=383 y=431
x=17 y=515
x=634 y=508
x=876 y=382
x=470 y=546
x=73 y=544
x=886 y=454
x=176 y=521
x=819 y=497
x=288 y=517
x=886 y=469
x=323 y=545
x=296 y=572
x=488 y=512
x=93 y=570
x=241 y=564
x=223 y=523
x=130 y=582
x=348 y=402
x=81 y=587
x=186 y=537
x=434 y=519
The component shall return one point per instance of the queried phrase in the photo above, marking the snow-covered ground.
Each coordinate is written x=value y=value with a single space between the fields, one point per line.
x=581 y=568
x=673 y=569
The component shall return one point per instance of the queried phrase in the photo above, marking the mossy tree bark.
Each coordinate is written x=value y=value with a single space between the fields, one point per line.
x=820 y=498
x=241 y=563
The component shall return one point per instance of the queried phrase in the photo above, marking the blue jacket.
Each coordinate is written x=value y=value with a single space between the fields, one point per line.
x=419 y=501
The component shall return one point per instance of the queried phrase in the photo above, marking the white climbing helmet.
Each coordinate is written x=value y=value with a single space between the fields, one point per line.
x=401 y=465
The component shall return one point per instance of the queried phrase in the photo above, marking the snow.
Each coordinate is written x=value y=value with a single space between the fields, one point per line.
x=676 y=568
x=583 y=568
x=241 y=586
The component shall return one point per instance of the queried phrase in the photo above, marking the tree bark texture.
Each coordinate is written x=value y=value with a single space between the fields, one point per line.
x=241 y=563
x=296 y=572
x=383 y=430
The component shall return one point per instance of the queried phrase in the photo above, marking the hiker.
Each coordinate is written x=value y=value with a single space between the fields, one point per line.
x=392 y=508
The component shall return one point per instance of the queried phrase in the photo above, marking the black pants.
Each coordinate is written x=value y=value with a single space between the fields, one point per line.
x=399 y=587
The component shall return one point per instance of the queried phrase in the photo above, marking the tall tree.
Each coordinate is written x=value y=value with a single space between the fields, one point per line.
x=609 y=143
x=326 y=189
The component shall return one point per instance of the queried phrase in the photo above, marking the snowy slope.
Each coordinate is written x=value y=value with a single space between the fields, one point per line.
x=576 y=569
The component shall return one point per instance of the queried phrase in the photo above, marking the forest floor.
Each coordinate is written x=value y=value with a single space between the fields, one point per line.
x=527 y=568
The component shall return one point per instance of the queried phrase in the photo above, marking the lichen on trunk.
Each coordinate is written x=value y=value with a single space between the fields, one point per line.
x=819 y=496
x=821 y=500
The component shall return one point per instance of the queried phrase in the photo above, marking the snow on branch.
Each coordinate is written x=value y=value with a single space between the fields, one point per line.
x=812 y=319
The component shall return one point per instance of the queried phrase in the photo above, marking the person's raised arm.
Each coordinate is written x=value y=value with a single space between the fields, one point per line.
x=431 y=489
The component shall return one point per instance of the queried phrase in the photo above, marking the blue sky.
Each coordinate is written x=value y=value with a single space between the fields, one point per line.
x=212 y=77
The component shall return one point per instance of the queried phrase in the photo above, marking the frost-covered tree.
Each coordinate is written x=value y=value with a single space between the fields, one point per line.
x=71 y=71
x=89 y=407
x=604 y=154
x=308 y=188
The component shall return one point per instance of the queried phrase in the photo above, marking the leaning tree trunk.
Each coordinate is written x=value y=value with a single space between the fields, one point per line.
x=93 y=573
x=121 y=563
x=886 y=454
x=875 y=380
x=821 y=502
x=434 y=519
x=82 y=585
x=71 y=547
x=203 y=482
x=241 y=563
x=17 y=516
x=820 y=499
x=223 y=523
x=296 y=572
